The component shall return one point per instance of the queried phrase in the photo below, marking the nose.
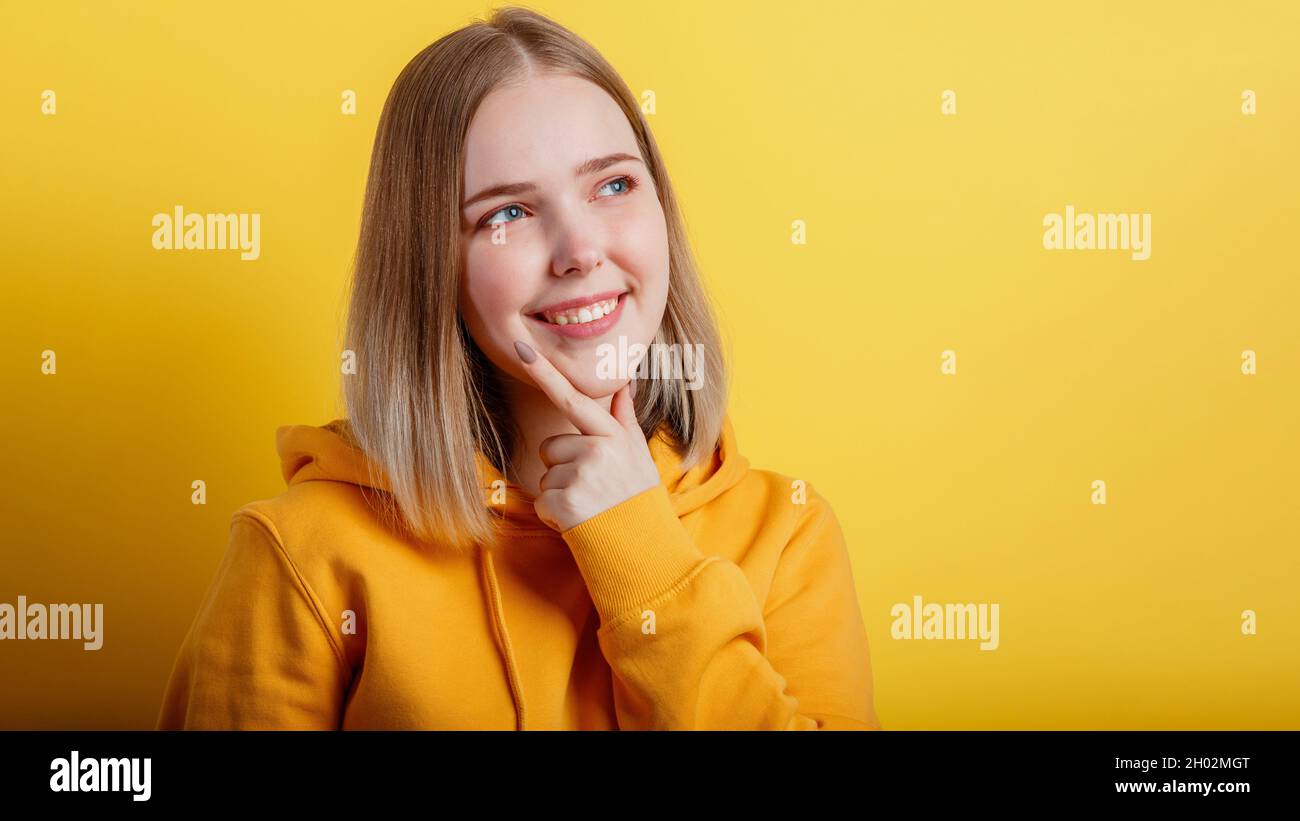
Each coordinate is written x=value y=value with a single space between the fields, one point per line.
x=579 y=248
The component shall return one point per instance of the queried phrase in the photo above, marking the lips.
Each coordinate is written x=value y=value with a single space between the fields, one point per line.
x=587 y=324
x=578 y=302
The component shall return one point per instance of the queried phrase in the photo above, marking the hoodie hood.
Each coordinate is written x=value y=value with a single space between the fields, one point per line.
x=329 y=452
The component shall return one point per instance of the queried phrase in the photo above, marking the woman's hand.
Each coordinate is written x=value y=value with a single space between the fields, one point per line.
x=607 y=462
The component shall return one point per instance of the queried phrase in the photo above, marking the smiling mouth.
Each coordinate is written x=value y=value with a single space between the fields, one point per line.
x=581 y=314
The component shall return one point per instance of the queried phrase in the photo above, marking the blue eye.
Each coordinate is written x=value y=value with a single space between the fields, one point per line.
x=514 y=210
x=628 y=183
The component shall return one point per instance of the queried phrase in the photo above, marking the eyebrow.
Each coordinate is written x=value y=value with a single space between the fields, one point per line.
x=511 y=189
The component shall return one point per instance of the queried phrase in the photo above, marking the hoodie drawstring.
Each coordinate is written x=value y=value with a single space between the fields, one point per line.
x=503 y=637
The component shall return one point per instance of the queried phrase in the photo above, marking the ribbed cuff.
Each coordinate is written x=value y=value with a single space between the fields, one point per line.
x=632 y=552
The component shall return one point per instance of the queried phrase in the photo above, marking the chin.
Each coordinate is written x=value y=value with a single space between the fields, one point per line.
x=594 y=386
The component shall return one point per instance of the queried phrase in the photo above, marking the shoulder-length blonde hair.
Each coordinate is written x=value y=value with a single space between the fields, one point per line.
x=424 y=401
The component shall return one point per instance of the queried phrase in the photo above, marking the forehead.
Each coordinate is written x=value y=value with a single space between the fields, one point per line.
x=542 y=128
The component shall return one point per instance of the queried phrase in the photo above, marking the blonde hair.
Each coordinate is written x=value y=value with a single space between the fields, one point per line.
x=425 y=401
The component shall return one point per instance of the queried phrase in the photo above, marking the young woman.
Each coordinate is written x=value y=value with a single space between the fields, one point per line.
x=508 y=531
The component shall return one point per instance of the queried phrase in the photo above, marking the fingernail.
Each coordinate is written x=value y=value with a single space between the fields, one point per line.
x=525 y=352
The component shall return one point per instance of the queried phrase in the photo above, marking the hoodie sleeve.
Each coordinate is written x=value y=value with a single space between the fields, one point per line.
x=691 y=646
x=259 y=654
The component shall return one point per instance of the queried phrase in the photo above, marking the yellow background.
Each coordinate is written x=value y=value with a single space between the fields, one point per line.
x=924 y=234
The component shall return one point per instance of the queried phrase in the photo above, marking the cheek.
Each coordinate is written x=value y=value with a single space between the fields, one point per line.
x=642 y=232
x=492 y=293
x=643 y=251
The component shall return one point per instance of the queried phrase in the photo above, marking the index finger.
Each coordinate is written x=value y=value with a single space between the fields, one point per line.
x=583 y=411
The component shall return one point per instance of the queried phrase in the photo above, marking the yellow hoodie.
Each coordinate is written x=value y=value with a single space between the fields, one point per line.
x=711 y=601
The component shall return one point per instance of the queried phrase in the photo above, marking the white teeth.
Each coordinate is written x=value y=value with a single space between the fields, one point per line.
x=587 y=313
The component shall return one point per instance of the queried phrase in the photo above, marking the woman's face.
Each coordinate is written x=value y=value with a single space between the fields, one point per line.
x=578 y=224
